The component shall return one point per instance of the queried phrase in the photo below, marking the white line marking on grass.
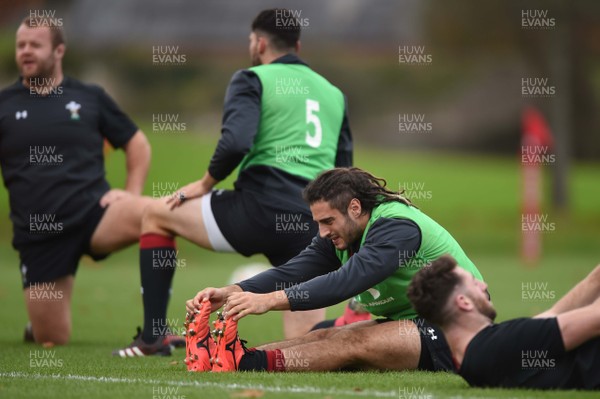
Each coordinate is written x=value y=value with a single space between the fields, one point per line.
x=278 y=389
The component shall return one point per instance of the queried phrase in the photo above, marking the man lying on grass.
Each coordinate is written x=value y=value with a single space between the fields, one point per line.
x=371 y=242
x=559 y=348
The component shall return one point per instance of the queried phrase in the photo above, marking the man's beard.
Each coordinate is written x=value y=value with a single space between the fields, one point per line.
x=44 y=70
x=485 y=308
x=353 y=233
x=255 y=59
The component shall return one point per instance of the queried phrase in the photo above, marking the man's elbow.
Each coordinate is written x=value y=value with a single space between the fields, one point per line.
x=139 y=146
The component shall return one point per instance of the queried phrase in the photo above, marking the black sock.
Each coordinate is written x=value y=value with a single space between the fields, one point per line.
x=254 y=360
x=157 y=266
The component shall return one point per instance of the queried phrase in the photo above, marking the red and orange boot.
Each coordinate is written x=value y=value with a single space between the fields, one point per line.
x=200 y=346
x=230 y=348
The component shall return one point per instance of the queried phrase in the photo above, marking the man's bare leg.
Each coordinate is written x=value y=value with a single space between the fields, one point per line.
x=187 y=221
x=316 y=335
x=184 y=221
x=121 y=224
x=49 y=303
x=49 y=308
x=380 y=346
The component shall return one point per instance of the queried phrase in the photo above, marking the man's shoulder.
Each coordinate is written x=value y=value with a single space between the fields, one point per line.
x=242 y=74
x=11 y=91
x=499 y=332
x=77 y=84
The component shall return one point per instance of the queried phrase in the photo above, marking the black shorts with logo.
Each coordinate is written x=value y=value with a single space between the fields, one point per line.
x=435 y=352
x=59 y=255
x=258 y=223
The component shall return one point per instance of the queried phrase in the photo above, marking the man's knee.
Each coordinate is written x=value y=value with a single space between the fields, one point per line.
x=50 y=326
x=44 y=333
x=153 y=213
x=49 y=309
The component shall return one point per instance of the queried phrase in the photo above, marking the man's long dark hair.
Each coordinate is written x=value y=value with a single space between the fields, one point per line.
x=340 y=185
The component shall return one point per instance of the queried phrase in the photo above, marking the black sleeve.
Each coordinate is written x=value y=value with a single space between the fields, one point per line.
x=241 y=116
x=115 y=125
x=317 y=259
x=343 y=157
x=389 y=242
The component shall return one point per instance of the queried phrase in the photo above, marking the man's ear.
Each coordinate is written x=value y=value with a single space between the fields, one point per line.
x=354 y=208
x=262 y=44
x=463 y=302
x=59 y=51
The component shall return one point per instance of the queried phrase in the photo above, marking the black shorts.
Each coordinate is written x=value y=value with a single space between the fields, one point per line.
x=435 y=352
x=256 y=223
x=58 y=256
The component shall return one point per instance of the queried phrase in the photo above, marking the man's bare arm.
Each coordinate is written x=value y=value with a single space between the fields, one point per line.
x=579 y=325
x=583 y=294
x=137 y=154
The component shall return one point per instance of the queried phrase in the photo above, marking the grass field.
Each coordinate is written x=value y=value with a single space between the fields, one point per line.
x=476 y=198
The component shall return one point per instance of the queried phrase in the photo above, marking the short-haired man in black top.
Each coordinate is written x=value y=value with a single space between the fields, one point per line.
x=52 y=132
x=557 y=349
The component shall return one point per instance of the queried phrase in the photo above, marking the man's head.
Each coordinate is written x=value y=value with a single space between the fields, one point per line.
x=443 y=292
x=341 y=201
x=40 y=48
x=275 y=32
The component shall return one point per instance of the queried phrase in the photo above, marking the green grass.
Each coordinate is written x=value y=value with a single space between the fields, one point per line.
x=476 y=198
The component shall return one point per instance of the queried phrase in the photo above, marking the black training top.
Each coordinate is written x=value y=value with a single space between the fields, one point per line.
x=241 y=115
x=51 y=154
x=316 y=278
x=529 y=353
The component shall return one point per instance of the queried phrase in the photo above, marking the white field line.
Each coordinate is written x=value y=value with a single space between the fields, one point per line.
x=204 y=384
